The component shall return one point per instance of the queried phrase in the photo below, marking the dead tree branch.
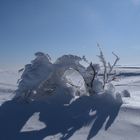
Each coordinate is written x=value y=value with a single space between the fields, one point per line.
x=103 y=61
x=112 y=66
x=94 y=74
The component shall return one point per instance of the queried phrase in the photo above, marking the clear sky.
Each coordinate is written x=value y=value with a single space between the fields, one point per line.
x=69 y=26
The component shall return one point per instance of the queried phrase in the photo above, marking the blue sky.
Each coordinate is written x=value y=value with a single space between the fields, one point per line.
x=69 y=26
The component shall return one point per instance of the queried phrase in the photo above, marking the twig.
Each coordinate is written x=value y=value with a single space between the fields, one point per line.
x=102 y=59
x=111 y=67
x=94 y=74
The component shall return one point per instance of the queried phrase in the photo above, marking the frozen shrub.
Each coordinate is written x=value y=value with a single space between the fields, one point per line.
x=44 y=80
x=33 y=74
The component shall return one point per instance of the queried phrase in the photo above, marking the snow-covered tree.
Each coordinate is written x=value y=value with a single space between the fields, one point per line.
x=33 y=74
x=44 y=80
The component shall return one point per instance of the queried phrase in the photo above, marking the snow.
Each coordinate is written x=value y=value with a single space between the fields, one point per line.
x=33 y=123
x=9 y=77
x=125 y=127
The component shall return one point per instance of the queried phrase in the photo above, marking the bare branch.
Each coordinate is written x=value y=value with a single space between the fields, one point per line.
x=115 y=55
x=21 y=70
x=117 y=59
x=114 y=64
x=48 y=56
x=94 y=74
x=85 y=59
x=103 y=60
x=109 y=65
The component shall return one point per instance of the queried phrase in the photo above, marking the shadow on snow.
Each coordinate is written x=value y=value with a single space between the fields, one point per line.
x=58 y=118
